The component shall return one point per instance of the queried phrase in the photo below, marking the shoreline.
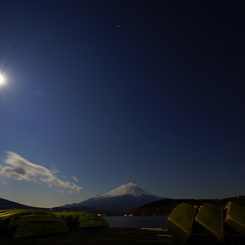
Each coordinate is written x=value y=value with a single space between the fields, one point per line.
x=96 y=236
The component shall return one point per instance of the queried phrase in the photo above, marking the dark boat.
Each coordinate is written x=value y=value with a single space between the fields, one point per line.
x=180 y=222
x=30 y=223
x=79 y=220
x=235 y=217
x=209 y=221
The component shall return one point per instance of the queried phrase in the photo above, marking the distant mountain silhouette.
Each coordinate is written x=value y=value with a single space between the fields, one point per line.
x=165 y=207
x=6 y=204
x=119 y=201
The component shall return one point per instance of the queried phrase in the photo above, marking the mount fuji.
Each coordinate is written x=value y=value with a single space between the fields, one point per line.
x=122 y=200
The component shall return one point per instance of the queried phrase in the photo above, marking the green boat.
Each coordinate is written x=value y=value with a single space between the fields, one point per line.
x=28 y=223
x=39 y=228
x=78 y=220
x=209 y=221
x=7 y=214
x=235 y=223
x=235 y=218
x=180 y=222
x=91 y=220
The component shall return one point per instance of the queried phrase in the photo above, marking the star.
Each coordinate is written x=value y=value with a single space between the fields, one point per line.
x=2 y=79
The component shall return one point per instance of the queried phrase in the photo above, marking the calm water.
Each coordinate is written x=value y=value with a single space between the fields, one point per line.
x=137 y=221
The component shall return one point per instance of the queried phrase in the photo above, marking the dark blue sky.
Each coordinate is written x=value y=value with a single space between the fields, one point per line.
x=110 y=92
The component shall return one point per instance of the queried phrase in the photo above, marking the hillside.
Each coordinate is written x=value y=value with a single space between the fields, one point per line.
x=165 y=207
x=6 y=204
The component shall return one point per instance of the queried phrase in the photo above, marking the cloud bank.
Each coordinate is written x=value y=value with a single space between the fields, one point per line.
x=21 y=169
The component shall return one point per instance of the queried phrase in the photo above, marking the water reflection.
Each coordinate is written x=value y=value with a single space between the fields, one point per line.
x=137 y=221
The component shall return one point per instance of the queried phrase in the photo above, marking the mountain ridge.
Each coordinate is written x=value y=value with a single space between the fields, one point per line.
x=165 y=207
x=7 y=204
x=121 y=200
x=126 y=189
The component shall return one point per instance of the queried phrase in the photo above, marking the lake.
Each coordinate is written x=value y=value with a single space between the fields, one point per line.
x=137 y=221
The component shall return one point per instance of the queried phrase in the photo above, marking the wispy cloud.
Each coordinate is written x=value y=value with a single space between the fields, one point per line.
x=75 y=179
x=19 y=168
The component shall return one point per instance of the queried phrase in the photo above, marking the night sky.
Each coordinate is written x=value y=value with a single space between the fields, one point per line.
x=101 y=93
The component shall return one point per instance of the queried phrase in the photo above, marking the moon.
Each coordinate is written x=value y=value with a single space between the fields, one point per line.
x=2 y=79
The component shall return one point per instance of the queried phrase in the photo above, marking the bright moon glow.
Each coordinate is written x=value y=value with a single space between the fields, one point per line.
x=2 y=79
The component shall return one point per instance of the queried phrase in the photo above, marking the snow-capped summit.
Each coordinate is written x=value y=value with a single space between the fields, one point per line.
x=127 y=189
x=123 y=199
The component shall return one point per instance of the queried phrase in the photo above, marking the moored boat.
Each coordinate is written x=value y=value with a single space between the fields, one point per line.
x=209 y=221
x=78 y=220
x=180 y=222
x=235 y=217
x=29 y=223
x=33 y=229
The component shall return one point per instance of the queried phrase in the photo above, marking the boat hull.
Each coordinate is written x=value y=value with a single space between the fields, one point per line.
x=235 y=217
x=180 y=222
x=209 y=222
x=79 y=220
x=29 y=223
